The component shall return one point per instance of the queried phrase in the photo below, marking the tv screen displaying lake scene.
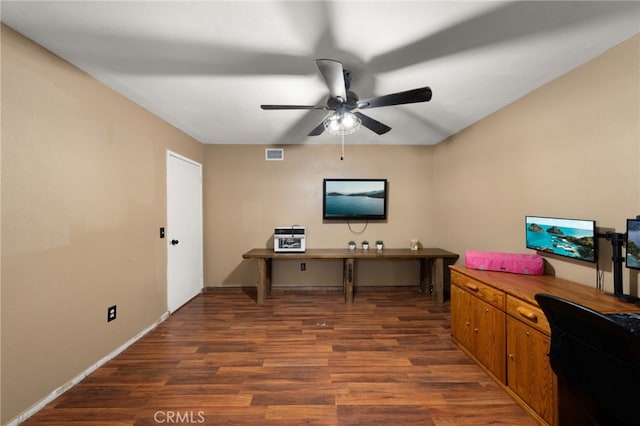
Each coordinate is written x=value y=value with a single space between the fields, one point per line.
x=633 y=243
x=357 y=199
x=573 y=238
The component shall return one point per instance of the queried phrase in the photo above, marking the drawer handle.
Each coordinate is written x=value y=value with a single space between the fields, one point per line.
x=472 y=287
x=527 y=314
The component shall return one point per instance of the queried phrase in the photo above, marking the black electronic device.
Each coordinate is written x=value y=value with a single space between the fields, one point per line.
x=354 y=199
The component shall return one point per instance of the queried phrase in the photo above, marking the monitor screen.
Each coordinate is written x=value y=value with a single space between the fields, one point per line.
x=633 y=243
x=574 y=238
x=357 y=199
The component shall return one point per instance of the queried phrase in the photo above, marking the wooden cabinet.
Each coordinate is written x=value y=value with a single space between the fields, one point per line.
x=529 y=374
x=497 y=322
x=480 y=328
x=461 y=317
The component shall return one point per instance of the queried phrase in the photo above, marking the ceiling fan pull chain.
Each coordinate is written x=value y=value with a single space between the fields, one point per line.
x=342 y=154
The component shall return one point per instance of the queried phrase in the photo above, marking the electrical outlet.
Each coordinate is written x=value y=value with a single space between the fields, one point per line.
x=303 y=266
x=111 y=313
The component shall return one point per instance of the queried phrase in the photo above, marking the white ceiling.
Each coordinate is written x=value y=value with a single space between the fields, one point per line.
x=206 y=66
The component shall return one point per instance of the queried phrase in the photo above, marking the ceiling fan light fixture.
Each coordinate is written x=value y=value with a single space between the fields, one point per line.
x=342 y=123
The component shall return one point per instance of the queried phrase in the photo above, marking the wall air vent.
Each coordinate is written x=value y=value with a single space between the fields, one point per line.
x=274 y=154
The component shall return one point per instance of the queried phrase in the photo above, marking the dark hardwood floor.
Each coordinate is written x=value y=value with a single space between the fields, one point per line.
x=303 y=358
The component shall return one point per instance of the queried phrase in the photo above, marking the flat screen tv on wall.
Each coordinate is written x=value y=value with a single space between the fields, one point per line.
x=574 y=238
x=354 y=199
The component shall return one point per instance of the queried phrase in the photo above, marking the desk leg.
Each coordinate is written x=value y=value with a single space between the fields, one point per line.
x=432 y=278
x=269 y=269
x=348 y=277
x=263 y=278
x=426 y=265
x=437 y=274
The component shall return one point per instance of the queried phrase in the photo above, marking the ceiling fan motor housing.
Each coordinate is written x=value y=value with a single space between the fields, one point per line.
x=351 y=103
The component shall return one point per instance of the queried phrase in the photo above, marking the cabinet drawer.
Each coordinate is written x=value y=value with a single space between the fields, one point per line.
x=528 y=313
x=482 y=291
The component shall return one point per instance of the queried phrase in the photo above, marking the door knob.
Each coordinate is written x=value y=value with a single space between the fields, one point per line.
x=174 y=242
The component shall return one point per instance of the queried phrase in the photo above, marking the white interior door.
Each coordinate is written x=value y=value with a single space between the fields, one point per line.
x=184 y=230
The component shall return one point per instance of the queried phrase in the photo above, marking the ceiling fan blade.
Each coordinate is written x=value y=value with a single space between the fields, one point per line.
x=372 y=124
x=317 y=131
x=333 y=75
x=422 y=94
x=270 y=107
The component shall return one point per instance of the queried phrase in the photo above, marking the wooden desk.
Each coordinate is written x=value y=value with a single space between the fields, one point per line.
x=434 y=266
x=497 y=321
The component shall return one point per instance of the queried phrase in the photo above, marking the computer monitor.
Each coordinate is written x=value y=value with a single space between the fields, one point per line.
x=633 y=244
x=574 y=238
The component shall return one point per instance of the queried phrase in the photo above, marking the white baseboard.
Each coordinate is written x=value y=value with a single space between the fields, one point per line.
x=56 y=393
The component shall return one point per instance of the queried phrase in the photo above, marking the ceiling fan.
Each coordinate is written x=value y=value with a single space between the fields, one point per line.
x=342 y=102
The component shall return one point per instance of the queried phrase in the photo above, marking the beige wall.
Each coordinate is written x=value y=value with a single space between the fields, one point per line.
x=83 y=198
x=246 y=197
x=569 y=149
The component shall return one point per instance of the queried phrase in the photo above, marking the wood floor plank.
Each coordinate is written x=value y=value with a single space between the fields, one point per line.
x=302 y=358
x=302 y=413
